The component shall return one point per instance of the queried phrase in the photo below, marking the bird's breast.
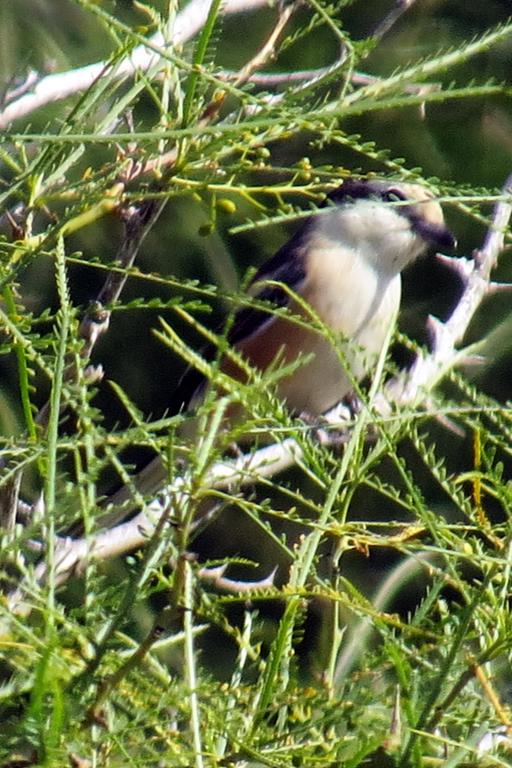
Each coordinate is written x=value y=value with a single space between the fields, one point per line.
x=350 y=295
x=357 y=303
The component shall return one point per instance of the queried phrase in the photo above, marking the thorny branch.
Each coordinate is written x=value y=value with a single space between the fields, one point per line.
x=475 y=275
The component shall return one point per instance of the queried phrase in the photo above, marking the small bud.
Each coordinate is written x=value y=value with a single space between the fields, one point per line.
x=225 y=205
x=304 y=164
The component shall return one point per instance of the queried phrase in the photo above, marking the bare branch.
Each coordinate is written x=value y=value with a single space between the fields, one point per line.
x=15 y=91
x=216 y=577
x=61 y=85
x=401 y=6
x=137 y=222
x=36 y=92
x=267 y=52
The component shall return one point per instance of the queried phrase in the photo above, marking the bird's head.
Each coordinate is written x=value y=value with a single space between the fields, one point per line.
x=388 y=224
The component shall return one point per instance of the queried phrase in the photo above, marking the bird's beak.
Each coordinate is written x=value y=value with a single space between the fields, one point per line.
x=437 y=234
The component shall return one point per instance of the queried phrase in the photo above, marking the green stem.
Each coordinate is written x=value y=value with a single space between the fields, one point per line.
x=23 y=369
x=199 y=54
x=190 y=669
x=53 y=427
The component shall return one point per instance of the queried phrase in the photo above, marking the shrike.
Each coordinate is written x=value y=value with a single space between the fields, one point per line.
x=345 y=265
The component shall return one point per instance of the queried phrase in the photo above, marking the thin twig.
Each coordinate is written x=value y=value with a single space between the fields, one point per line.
x=138 y=220
x=16 y=91
x=301 y=75
x=215 y=576
x=401 y=6
x=268 y=50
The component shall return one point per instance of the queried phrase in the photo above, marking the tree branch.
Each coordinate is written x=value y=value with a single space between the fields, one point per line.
x=401 y=6
x=428 y=369
x=37 y=92
x=405 y=389
x=61 y=85
x=267 y=52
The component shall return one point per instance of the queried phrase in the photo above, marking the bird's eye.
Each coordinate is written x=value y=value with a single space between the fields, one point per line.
x=392 y=195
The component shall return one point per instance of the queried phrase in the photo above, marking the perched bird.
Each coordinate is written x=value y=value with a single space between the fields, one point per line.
x=345 y=265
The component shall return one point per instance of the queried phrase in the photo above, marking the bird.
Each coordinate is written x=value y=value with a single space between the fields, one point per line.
x=342 y=268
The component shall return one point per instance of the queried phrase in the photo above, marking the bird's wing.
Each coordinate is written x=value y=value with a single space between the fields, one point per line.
x=288 y=267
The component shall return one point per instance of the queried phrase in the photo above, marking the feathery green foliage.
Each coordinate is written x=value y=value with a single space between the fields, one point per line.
x=383 y=636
